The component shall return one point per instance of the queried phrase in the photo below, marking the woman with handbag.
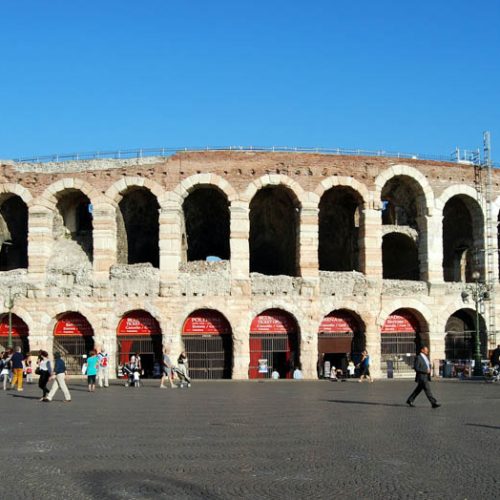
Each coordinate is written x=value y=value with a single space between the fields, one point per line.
x=44 y=370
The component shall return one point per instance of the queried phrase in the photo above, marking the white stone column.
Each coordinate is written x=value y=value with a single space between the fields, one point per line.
x=371 y=243
x=432 y=268
x=309 y=239
x=40 y=241
x=105 y=240
x=239 y=240
x=170 y=242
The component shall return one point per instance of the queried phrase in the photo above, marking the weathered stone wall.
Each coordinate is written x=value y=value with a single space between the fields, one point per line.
x=60 y=278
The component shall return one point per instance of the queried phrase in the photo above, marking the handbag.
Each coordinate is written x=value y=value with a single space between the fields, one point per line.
x=37 y=371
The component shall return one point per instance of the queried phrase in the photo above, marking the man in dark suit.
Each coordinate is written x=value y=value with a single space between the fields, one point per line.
x=422 y=378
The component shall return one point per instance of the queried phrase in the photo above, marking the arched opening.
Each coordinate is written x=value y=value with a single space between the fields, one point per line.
x=461 y=335
x=72 y=226
x=274 y=229
x=274 y=344
x=74 y=339
x=399 y=257
x=208 y=344
x=341 y=337
x=13 y=233
x=139 y=333
x=404 y=248
x=206 y=219
x=339 y=219
x=138 y=228
x=19 y=333
x=402 y=337
x=463 y=239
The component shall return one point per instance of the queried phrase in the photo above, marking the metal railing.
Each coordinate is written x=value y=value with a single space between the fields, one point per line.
x=164 y=152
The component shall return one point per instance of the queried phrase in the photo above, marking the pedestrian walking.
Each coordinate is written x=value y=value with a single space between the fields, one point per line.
x=44 y=370
x=167 y=370
x=422 y=378
x=5 y=369
x=92 y=367
x=103 y=374
x=182 y=369
x=29 y=372
x=364 y=366
x=59 y=377
x=17 y=360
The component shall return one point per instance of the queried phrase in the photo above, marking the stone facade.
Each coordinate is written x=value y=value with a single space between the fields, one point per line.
x=60 y=277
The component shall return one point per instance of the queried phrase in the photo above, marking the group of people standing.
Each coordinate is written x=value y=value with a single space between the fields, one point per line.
x=169 y=370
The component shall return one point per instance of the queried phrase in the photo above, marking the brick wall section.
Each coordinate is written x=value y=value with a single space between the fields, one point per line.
x=108 y=300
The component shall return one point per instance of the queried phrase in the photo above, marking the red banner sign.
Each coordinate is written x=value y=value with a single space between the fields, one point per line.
x=401 y=322
x=138 y=323
x=273 y=321
x=206 y=322
x=338 y=322
x=19 y=327
x=73 y=324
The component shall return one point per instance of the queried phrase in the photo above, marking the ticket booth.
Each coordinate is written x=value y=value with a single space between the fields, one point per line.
x=274 y=344
x=73 y=339
x=138 y=333
x=20 y=333
x=208 y=344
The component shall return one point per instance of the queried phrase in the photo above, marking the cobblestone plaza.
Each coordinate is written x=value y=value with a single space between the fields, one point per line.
x=255 y=440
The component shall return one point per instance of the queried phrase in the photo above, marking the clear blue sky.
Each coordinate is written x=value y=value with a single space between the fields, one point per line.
x=112 y=74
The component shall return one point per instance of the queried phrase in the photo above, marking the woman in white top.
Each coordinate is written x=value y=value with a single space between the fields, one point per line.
x=45 y=371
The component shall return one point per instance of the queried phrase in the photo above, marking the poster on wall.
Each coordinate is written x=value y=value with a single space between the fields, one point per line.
x=401 y=322
x=19 y=327
x=338 y=322
x=273 y=321
x=73 y=325
x=138 y=323
x=206 y=322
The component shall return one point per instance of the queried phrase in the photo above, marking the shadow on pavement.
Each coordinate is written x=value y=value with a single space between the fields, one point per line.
x=497 y=427
x=369 y=403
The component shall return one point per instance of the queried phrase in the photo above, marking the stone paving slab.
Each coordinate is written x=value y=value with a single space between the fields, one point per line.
x=270 y=440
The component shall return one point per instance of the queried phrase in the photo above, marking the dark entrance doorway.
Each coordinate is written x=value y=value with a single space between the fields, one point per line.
x=73 y=339
x=274 y=344
x=340 y=339
x=208 y=344
x=139 y=333
x=401 y=340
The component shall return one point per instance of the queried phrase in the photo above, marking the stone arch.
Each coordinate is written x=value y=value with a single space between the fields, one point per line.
x=184 y=188
x=7 y=188
x=463 y=233
x=407 y=171
x=343 y=181
x=115 y=191
x=340 y=228
x=205 y=225
x=207 y=337
x=49 y=319
x=275 y=337
x=422 y=311
x=14 y=222
x=137 y=212
x=275 y=231
x=271 y=180
x=49 y=197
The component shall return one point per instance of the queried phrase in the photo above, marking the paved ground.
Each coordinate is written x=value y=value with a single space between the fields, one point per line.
x=226 y=440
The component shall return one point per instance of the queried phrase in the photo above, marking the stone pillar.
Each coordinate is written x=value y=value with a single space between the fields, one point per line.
x=309 y=240
x=105 y=244
x=241 y=341
x=431 y=248
x=40 y=241
x=371 y=243
x=373 y=345
x=239 y=240
x=170 y=243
